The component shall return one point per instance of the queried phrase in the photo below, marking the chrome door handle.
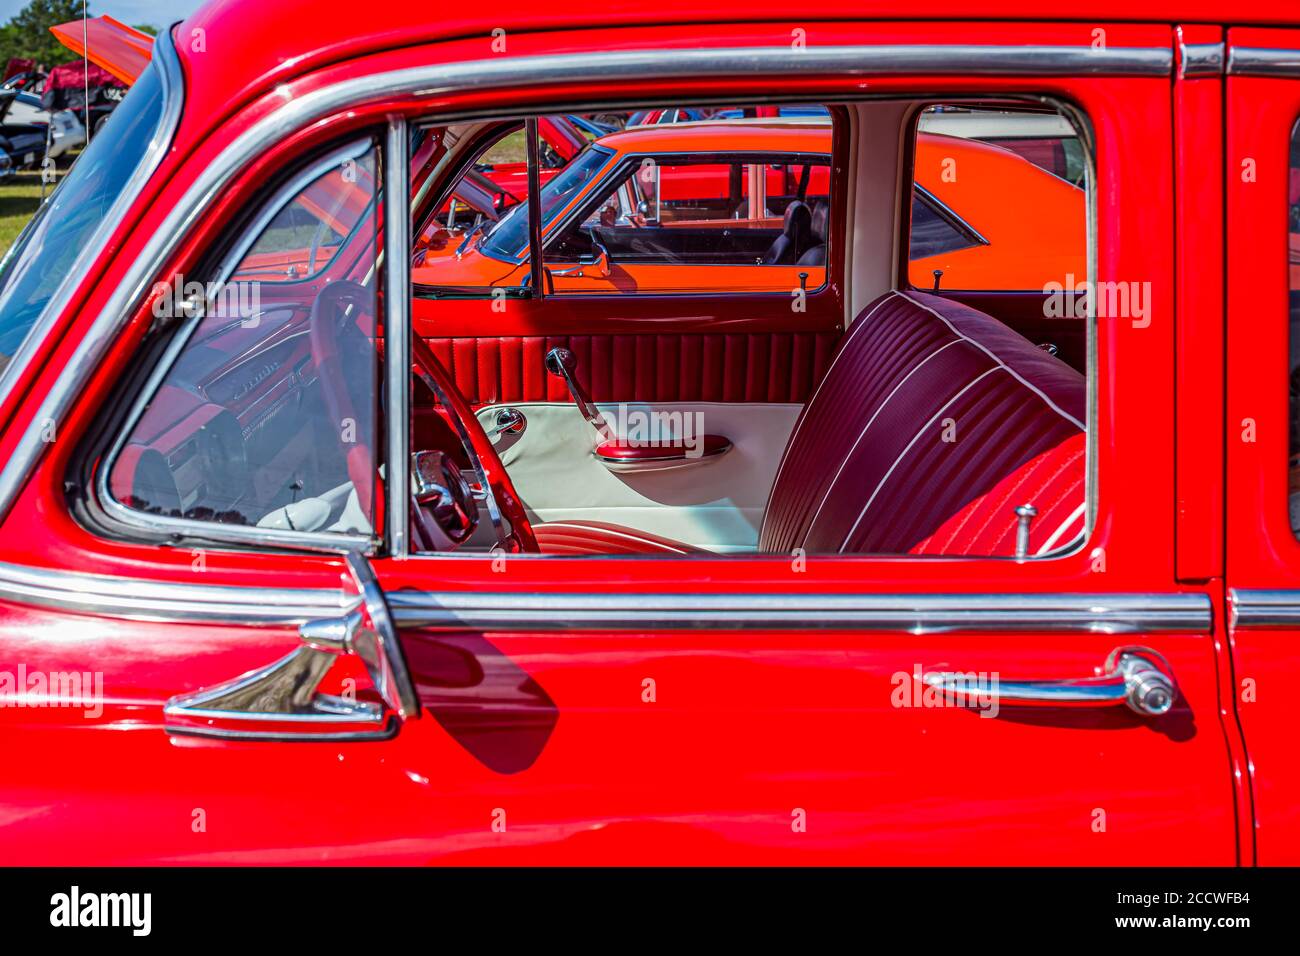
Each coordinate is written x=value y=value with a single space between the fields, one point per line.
x=1137 y=677
x=281 y=701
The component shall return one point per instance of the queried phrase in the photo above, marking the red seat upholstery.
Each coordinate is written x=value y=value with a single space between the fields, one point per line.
x=930 y=412
x=598 y=537
x=932 y=425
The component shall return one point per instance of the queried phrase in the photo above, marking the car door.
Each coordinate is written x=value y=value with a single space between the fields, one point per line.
x=1262 y=189
x=775 y=708
x=763 y=709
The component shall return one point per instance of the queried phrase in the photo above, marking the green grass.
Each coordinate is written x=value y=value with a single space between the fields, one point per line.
x=511 y=149
x=20 y=197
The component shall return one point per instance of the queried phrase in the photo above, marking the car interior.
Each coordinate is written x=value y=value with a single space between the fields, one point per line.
x=738 y=340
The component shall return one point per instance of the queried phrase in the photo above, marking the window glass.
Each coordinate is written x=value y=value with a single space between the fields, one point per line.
x=999 y=202
x=508 y=238
x=933 y=231
x=645 y=201
x=302 y=239
x=57 y=236
x=269 y=415
x=697 y=216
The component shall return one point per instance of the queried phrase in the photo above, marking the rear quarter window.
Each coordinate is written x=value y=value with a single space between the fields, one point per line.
x=64 y=234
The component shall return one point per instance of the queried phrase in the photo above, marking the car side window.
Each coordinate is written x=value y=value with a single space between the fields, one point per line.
x=935 y=229
x=268 y=416
x=304 y=236
x=999 y=202
x=660 y=201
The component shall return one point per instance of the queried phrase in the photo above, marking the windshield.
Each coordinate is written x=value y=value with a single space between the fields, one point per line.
x=508 y=239
x=61 y=232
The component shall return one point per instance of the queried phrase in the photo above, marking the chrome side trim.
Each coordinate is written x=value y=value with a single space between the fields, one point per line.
x=1200 y=59
x=158 y=601
x=1259 y=61
x=397 y=334
x=917 y=614
x=510 y=72
x=173 y=84
x=1264 y=608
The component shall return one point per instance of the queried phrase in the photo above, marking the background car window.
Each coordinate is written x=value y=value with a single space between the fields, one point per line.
x=645 y=201
x=934 y=230
x=268 y=416
x=999 y=202
x=659 y=212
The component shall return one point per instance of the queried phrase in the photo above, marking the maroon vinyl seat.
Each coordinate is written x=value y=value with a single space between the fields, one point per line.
x=932 y=425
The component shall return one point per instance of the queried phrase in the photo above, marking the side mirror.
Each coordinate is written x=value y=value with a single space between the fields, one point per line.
x=599 y=263
x=596 y=264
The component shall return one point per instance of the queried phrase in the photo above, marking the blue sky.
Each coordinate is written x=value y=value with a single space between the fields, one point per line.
x=157 y=12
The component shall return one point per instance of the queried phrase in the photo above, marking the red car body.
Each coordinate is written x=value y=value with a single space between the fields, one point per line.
x=669 y=730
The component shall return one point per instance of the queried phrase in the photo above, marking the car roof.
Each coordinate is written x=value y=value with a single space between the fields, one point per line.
x=272 y=42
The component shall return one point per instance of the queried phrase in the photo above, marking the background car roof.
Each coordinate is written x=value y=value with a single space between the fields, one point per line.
x=709 y=136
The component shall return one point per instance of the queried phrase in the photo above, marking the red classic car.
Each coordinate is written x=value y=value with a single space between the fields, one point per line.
x=304 y=559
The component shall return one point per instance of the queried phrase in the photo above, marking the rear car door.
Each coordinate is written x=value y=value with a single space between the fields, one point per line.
x=1262 y=188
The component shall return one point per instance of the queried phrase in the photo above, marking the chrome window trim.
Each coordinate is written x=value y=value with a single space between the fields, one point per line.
x=211 y=530
x=559 y=613
x=145 y=600
x=914 y=613
x=1261 y=61
x=1264 y=607
x=601 y=68
x=1200 y=59
x=397 y=334
x=173 y=87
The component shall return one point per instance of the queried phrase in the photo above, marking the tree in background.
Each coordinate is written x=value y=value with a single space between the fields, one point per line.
x=28 y=33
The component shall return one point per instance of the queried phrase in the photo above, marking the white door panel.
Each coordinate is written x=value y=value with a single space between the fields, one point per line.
x=716 y=505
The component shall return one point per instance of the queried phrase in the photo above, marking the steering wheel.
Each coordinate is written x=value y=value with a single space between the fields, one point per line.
x=330 y=317
x=514 y=532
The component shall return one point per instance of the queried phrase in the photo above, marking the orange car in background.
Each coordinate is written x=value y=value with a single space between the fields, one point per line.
x=668 y=209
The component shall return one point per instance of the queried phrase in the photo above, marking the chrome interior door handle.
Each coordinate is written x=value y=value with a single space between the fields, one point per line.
x=1136 y=677
x=563 y=364
x=509 y=421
